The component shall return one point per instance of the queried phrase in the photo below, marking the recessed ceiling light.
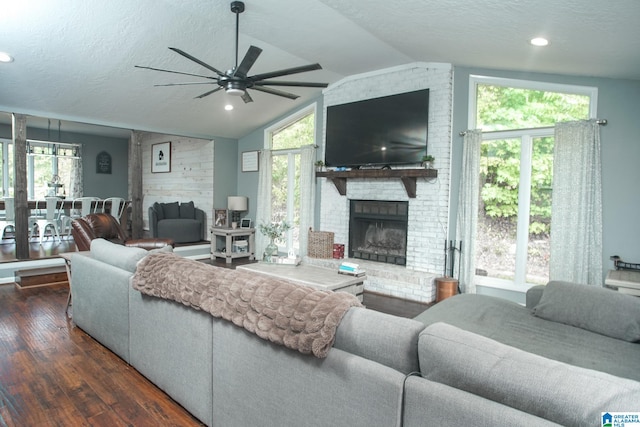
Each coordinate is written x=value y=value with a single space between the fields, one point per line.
x=5 y=57
x=228 y=107
x=539 y=41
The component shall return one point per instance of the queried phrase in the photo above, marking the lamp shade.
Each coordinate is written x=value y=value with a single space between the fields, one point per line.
x=237 y=203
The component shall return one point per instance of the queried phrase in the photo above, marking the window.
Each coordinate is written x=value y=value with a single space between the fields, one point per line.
x=285 y=141
x=516 y=172
x=49 y=168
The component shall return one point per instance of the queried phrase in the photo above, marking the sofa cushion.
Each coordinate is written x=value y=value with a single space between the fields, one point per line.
x=171 y=210
x=180 y=230
x=559 y=392
x=593 y=308
x=187 y=210
x=159 y=211
x=120 y=256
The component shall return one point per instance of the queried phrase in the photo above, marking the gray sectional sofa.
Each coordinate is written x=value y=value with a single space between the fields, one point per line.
x=381 y=371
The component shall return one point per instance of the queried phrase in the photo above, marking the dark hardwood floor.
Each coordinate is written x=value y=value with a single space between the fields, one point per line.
x=53 y=374
x=48 y=249
x=391 y=305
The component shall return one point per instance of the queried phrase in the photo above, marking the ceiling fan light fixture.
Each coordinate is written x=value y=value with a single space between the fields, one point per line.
x=235 y=91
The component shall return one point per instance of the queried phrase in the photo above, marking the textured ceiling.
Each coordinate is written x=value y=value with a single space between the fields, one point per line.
x=75 y=60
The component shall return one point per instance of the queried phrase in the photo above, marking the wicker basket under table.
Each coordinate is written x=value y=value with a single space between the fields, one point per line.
x=320 y=244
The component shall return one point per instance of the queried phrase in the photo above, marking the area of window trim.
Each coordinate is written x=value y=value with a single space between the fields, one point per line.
x=474 y=81
x=50 y=148
x=303 y=112
x=268 y=134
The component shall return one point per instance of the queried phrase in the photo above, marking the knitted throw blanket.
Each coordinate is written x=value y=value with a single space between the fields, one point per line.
x=298 y=317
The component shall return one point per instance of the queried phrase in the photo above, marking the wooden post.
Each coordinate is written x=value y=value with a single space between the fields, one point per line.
x=19 y=125
x=135 y=190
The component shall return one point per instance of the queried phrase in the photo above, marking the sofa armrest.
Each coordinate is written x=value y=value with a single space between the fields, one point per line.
x=533 y=296
x=202 y=217
x=149 y=244
x=82 y=234
x=153 y=222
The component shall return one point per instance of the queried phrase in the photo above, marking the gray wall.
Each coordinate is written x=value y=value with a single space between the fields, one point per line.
x=619 y=103
x=225 y=167
x=99 y=185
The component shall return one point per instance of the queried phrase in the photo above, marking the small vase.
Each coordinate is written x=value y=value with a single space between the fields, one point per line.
x=270 y=252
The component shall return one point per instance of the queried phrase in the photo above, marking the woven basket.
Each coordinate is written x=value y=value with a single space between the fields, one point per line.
x=320 y=244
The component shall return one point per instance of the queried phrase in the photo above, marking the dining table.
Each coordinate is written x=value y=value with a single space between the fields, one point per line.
x=68 y=204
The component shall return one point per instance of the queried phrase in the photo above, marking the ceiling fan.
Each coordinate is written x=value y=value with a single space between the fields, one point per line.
x=236 y=81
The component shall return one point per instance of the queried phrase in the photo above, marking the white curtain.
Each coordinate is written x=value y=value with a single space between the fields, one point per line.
x=263 y=208
x=307 y=195
x=468 y=197
x=576 y=205
x=76 y=187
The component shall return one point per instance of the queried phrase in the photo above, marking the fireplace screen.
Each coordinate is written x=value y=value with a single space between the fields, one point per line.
x=378 y=231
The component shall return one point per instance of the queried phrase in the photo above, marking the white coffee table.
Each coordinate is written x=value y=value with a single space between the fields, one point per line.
x=309 y=275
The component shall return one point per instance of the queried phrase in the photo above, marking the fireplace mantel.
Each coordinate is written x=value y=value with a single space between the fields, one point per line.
x=407 y=176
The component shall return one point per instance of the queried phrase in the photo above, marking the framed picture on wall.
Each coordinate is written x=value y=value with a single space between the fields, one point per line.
x=161 y=157
x=250 y=161
x=103 y=162
x=220 y=218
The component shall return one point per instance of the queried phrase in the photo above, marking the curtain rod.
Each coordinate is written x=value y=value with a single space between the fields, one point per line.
x=601 y=122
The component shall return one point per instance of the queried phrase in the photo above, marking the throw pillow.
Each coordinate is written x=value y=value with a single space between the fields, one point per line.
x=593 y=308
x=187 y=210
x=171 y=210
x=159 y=211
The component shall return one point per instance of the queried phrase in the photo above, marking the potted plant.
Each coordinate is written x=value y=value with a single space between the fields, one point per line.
x=319 y=165
x=427 y=161
x=273 y=231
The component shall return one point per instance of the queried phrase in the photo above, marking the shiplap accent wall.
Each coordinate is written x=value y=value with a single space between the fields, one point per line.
x=190 y=179
x=428 y=212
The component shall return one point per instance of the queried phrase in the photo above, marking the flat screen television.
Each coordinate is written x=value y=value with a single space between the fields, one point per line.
x=391 y=130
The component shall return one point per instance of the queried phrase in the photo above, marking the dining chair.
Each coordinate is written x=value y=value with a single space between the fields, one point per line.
x=88 y=206
x=80 y=206
x=9 y=221
x=51 y=219
x=117 y=206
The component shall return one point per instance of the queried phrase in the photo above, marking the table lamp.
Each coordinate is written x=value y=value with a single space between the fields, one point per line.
x=235 y=205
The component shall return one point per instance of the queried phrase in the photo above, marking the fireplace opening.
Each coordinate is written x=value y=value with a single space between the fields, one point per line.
x=378 y=231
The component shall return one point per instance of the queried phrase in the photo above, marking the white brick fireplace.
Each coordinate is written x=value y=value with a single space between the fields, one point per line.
x=428 y=211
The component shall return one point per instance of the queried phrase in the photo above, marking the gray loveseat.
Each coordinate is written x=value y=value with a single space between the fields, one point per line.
x=181 y=222
x=381 y=371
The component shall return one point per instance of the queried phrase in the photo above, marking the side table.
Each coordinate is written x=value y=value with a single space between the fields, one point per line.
x=231 y=235
x=66 y=256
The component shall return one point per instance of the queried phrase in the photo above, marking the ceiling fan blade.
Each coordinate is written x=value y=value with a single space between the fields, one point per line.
x=281 y=83
x=186 y=84
x=196 y=60
x=175 y=72
x=210 y=92
x=246 y=97
x=286 y=72
x=275 y=92
x=247 y=62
